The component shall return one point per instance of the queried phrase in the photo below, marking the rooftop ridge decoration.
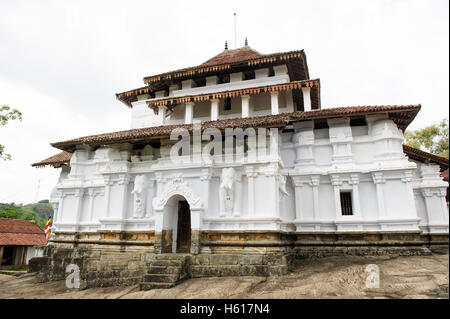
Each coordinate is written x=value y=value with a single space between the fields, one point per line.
x=295 y=85
x=402 y=115
x=200 y=69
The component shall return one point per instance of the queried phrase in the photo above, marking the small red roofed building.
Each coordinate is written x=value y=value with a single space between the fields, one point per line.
x=20 y=240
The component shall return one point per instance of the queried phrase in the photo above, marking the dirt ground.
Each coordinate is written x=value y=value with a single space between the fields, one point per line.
x=330 y=277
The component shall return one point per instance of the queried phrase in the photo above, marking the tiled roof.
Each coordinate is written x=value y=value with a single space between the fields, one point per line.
x=425 y=157
x=445 y=175
x=232 y=56
x=236 y=57
x=55 y=160
x=228 y=61
x=295 y=85
x=401 y=115
x=15 y=232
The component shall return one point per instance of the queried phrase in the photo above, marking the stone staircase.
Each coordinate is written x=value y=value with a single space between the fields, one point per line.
x=166 y=271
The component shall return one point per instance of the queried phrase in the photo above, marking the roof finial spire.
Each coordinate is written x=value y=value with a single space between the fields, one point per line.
x=226 y=45
x=246 y=41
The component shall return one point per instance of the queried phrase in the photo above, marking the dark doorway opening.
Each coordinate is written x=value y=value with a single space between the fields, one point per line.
x=8 y=256
x=184 y=228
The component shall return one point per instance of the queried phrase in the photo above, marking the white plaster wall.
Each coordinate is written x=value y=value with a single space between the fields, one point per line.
x=142 y=115
x=109 y=172
x=369 y=205
x=33 y=251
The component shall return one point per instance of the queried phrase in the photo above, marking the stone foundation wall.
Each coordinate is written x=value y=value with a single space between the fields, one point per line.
x=122 y=258
x=100 y=265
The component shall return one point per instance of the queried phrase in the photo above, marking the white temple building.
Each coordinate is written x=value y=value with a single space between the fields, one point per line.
x=319 y=179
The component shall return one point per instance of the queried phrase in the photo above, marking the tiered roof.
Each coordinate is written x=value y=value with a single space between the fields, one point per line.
x=228 y=61
x=295 y=85
x=244 y=59
x=401 y=115
x=233 y=56
x=56 y=161
x=425 y=157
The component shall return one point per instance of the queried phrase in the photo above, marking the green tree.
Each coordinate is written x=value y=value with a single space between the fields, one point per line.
x=432 y=139
x=7 y=114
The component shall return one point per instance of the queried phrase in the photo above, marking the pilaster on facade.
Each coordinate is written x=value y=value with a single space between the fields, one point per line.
x=160 y=182
x=341 y=139
x=437 y=209
x=303 y=141
x=205 y=178
x=387 y=140
x=336 y=182
x=298 y=182
x=354 y=182
x=314 y=183
x=79 y=197
x=108 y=183
x=379 y=181
x=251 y=174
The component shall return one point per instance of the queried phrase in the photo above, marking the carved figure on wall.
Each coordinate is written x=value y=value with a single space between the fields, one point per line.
x=141 y=184
x=282 y=185
x=226 y=190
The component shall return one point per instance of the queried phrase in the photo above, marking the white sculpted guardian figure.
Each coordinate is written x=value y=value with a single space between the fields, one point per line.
x=282 y=185
x=226 y=191
x=141 y=184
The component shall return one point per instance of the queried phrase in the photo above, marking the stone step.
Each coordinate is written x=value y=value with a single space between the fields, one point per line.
x=155 y=285
x=171 y=278
x=164 y=270
x=168 y=263
x=182 y=257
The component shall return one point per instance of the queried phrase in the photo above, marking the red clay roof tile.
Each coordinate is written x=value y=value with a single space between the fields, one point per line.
x=16 y=232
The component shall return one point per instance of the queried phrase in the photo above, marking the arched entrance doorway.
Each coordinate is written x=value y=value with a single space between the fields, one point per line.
x=176 y=222
x=177 y=219
x=183 y=228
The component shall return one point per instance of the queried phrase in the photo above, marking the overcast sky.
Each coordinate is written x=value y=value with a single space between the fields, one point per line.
x=62 y=61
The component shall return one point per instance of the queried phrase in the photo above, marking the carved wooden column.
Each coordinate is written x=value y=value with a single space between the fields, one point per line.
x=214 y=109
x=245 y=99
x=274 y=102
x=306 y=98
x=189 y=115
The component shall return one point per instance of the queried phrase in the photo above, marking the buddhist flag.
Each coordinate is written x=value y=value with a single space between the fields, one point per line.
x=47 y=227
